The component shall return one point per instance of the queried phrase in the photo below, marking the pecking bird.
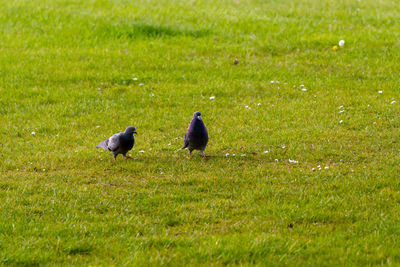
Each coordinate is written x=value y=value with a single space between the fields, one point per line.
x=119 y=143
x=196 y=137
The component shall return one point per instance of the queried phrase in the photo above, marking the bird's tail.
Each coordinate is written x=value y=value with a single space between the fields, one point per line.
x=185 y=146
x=102 y=145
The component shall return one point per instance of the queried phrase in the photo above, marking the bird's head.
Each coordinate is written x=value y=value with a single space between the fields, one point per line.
x=130 y=130
x=197 y=115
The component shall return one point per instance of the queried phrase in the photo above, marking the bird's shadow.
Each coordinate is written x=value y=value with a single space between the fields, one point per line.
x=174 y=158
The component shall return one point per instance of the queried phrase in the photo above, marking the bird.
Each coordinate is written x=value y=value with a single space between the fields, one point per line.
x=119 y=143
x=236 y=61
x=196 y=137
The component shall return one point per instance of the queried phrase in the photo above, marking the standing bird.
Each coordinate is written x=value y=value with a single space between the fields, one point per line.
x=236 y=61
x=196 y=136
x=119 y=143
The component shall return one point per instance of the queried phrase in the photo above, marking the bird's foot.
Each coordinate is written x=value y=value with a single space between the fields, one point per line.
x=127 y=157
x=203 y=155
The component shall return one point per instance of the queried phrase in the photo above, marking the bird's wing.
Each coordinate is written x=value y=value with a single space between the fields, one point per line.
x=185 y=141
x=114 y=142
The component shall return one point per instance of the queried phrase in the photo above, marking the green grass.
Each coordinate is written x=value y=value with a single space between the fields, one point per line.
x=66 y=73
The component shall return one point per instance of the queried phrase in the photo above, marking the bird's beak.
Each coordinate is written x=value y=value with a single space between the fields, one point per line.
x=199 y=117
x=135 y=132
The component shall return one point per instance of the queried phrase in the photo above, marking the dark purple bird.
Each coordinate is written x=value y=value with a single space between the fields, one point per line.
x=196 y=137
x=119 y=143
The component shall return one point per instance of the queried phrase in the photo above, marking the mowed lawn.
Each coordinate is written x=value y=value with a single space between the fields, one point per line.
x=303 y=165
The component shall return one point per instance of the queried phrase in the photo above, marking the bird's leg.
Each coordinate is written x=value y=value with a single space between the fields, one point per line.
x=115 y=157
x=202 y=154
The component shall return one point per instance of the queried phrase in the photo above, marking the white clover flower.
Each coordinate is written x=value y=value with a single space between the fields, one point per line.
x=276 y=160
x=283 y=146
x=313 y=169
x=141 y=151
x=134 y=79
x=227 y=154
x=341 y=111
x=301 y=85
x=326 y=167
x=393 y=102
x=340 y=107
x=243 y=155
x=293 y=161
x=233 y=155
x=341 y=121
x=259 y=104
x=341 y=43
x=304 y=89
x=212 y=97
x=380 y=92
x=141 y=84
x=271 y=82
x=33 y=133
x=266 y=151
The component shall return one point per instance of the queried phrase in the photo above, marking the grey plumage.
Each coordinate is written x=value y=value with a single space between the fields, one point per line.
x=196 y=137
x=119 y=143
x=185 y=141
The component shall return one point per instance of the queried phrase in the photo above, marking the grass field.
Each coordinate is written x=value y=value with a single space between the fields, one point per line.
x=67 y=70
